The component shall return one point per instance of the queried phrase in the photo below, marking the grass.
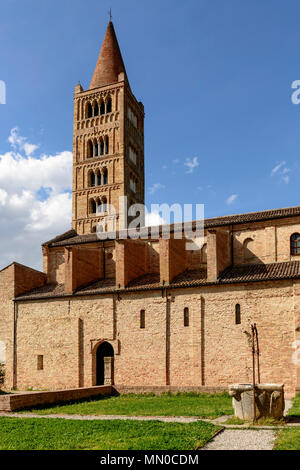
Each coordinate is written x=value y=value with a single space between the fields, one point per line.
x=183 y=404
x=288 y=439
x=295 y=410
x=260 y=422
x=60 y=434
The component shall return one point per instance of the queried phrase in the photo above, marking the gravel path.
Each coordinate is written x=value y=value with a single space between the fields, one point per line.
x=165 y=419
x=235 y=439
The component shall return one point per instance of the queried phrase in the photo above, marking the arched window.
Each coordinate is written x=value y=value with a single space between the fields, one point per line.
x=89 y=111
x=96 y=109
x=237 y=314
x=186 y=317
x=90 y=149
x=93 y=179
x=104 y=204
x=105 y=177
x=95 y=149
x=295 y=244
x=99 y=206
x=102 y=108
x=142 y=319
x=101 y=147
x=92 y=206
x=106 y=145
x=109 y=106
x=99 y=179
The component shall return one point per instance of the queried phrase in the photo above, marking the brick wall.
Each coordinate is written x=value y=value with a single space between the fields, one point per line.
x=131 y=260
x=211 y=352
x=173 y=258
x=19 y=401
x=218 y=252
x=82 y=266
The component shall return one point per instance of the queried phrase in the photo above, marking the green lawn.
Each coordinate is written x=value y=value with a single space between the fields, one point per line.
x=185 y=404
x=60 y=434
x=288 y=439
x=295 y=410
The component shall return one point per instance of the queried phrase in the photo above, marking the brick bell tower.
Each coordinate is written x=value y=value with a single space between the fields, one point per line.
x=108 y=144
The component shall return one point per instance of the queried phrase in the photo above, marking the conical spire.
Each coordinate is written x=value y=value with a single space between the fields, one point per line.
x=110 y=62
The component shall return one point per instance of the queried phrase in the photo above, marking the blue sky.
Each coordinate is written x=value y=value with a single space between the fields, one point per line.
x=215 y=78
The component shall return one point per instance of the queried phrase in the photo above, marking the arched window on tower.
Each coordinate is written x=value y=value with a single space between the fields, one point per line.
x=96 y=109
x=98 y=205
x=101 y=147
x=89 y=111
x=92 y=180
x=89 y=149
x=105 y=177
x=104 y=204
x=102 y=108
x=106 y=145
x=92 y=206
x=95 y=148
x=295 y=244
x=98 y=178
x=109 y=106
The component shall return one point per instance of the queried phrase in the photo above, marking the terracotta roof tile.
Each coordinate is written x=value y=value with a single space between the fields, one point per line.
x=261 y=272
x=72 y=238
x=232 y=275
x=110 y=63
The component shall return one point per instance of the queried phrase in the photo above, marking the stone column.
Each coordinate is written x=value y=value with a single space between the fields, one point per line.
x=108 y=371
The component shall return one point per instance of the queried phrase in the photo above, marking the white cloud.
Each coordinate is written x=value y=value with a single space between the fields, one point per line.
x=282 y=170
x=153 y=218
x=35 y=200
x=231 y=199
x=191 y=164
x=20 y=143
x=156 y=187
x=277 y=168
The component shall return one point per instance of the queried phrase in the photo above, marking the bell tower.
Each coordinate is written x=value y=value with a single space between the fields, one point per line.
x=108 y=144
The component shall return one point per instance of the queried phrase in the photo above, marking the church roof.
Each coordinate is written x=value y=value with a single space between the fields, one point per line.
x=110 y=63
x=72 y=238
x=198 y=278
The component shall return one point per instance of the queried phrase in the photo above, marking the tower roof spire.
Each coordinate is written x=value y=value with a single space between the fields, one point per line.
x=110 y=63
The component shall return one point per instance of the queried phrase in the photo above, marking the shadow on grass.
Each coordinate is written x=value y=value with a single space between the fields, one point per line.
x=101 y=398
x=293 y=419
x=48 y=406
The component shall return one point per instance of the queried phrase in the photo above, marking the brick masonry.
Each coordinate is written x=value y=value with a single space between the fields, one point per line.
x=21 y=401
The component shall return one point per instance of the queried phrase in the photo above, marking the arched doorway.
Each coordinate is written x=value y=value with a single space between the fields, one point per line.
x=104 y=350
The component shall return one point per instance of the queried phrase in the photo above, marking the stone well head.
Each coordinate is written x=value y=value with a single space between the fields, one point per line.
x=269 y=400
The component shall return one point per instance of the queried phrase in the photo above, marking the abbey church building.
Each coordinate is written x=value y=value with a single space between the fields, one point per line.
x=147 y=314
